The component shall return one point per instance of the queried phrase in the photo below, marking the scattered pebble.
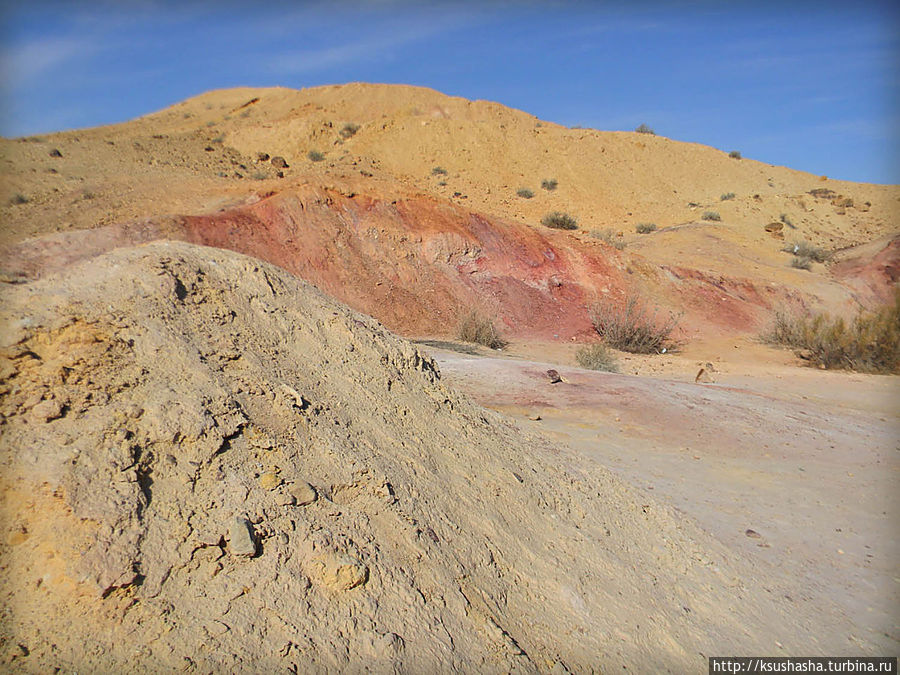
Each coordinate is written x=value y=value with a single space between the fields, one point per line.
x=269 y=480
x=241 y=538
x=753 y=534
x=304 y=493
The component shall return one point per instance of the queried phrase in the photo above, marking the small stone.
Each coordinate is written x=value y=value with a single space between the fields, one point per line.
x=304 y=493
x=263 y=156
x=46 y=410
x=340 y=572
x=269 y=480
x=753 y=534
x=55 y=153
x=279 y=163
x=241 y=538
x=286 y=499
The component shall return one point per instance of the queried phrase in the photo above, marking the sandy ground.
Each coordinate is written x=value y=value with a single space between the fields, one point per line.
x=797 y=468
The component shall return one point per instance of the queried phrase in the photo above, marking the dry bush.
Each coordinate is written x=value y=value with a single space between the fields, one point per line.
x=609 y=237
x=644 y=129
x=735 y=154
x=630 y=327
x=728 y=195
x=801 y=263
x=645 y=228
x=711 y=215
x=348 y=130
x=803 y=249
x=525 y=193
x=596 y=357
x=439 y=171
x=549 y=184
x=315 y=156
x=869 y=343
x=559 y=221
x=479 y=329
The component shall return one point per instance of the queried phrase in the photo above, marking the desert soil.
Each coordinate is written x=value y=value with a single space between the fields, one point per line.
x=220 y=451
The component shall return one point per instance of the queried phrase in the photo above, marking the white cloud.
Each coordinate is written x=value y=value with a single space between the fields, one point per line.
x=32 y=59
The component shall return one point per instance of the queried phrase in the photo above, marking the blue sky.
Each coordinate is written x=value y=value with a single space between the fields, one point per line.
x=810 y=85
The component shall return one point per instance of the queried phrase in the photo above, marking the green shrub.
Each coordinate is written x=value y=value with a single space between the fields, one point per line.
x=559 y=221
x=348 y=130
x=711 y=215
x=728 y=195
x=801 y=263
x=735 y=154
x=439 y=171
x=596 y=357
x=609 y=237
x=645 y=228
x=479 y=329
x=803 y=249
x=629 y=326
x=525 y=193
x=549 y=184
x=644 y=129
x=315 y=156
x=869 y=343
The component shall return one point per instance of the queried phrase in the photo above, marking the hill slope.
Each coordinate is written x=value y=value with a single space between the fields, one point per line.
x=166 y=408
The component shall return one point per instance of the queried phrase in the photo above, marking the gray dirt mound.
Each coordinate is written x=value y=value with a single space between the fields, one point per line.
x=209 y=465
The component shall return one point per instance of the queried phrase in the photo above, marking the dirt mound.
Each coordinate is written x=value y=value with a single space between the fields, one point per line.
x=207 y=464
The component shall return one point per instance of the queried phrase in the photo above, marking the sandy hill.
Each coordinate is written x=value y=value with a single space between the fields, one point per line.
x=226 y=469
x=419 y=191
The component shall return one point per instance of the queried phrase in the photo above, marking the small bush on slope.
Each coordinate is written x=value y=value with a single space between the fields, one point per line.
x=869 y=343
x=630 y=327
x=479 y=329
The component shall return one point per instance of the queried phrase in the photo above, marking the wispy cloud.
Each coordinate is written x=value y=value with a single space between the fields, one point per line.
x=36 y=57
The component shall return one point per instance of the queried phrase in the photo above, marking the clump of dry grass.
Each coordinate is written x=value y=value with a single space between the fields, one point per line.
x=559 y=221
x=609 y=237
x=480 y=329
x=645 y=228
x=631 y=327
x=869 y=343
x=596 y=357
x=803 y=249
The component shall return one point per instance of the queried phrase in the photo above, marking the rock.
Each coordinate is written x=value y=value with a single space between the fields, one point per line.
x=47 y=410
x=286 y=499
x=269 y=480
x=263 y=156
x=340 y=572
x=554 y=376
x=279 y=163
x=304 y=493
x=55 y=153
x=753 y=534
x=241 y=538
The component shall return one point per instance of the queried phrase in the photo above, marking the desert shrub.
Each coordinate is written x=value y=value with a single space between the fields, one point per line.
x=218 y=139
x=348 y=130
x=735 y=154
x=559 y=221
x=609 y=237
x=439 y=171
x=801 y=263
x=644 y=129
x=442 y=183
x=803 y=249
x=549 y=184
x=868 y=343
x=645 y=228
x=596 y=357
x=629 y=326
x=479 y=329
x=711 y=215
x=728 y=195
x=19 y=198
x=525 y=193
x=315 y=156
